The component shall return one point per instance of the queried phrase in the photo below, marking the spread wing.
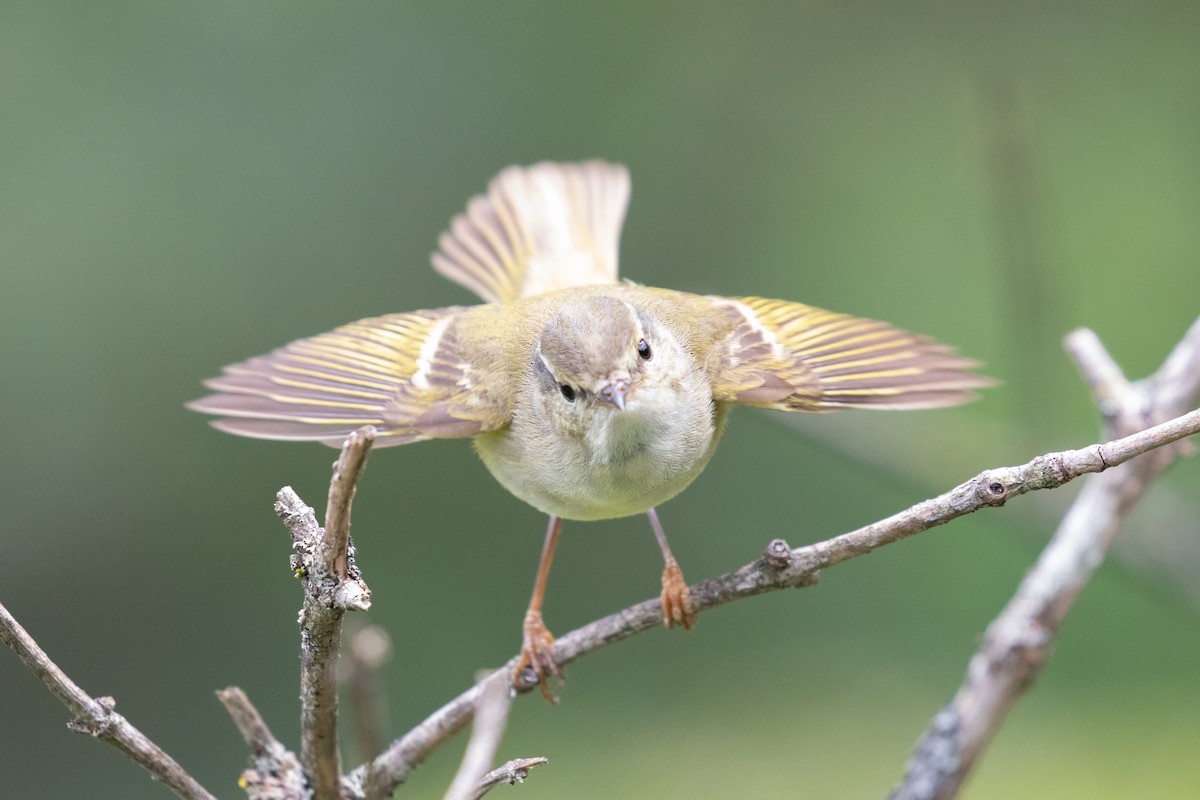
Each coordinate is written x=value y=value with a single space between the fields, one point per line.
x=794 y=357
x=402 y=373
x=539 y=228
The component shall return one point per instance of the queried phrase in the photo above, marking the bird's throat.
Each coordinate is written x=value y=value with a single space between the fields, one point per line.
x=617 y=437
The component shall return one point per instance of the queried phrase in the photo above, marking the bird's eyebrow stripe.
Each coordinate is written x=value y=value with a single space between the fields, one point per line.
x=645 y=323
x=542 y=369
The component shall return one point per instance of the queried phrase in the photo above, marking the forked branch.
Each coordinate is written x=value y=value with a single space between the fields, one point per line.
x=1015 y=647
x=324 y=560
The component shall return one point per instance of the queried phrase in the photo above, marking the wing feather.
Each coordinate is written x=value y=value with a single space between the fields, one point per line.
x=402 y=373
x=795 y=357
x=539 y=228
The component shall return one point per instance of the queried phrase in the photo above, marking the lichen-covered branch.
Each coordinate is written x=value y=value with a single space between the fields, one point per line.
x=324 y=560
x=276 y=774
x=97 y=716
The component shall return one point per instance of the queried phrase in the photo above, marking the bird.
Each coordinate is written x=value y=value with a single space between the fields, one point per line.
x=586 y=397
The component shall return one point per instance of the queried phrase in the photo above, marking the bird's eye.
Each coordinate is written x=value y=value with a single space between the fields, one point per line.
x=568 y=393
x=644 y=349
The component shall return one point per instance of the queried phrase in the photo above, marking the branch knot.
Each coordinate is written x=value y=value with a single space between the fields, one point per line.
x=98 y=721
x=991 y=489
x=778 y=554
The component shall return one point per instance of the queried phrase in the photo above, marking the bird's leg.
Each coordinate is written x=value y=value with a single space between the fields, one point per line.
x=537 y=645
x=677 y=606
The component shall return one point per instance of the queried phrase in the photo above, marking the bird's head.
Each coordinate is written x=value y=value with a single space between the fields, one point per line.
x=596 y=353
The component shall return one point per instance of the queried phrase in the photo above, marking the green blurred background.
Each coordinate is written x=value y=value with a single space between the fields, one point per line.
x=185 y=186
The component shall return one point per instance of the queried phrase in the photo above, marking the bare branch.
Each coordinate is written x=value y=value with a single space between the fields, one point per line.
x=781 y=568
x=346 y=472
x=510 y=772
x=332 y=584
x=247 y=719
x=1014 y=648
x=1113 y=393
x=276 y=774
x=96 y=716
x=491 y=714
x=1177 y=381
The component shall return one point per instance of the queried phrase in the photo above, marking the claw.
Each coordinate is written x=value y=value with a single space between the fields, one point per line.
x=677 y=607
x=537 y=655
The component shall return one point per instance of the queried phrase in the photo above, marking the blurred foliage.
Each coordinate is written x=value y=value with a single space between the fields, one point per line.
x=183 y=186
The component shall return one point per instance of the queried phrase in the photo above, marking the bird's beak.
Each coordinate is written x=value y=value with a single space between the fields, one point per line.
x=613 y=393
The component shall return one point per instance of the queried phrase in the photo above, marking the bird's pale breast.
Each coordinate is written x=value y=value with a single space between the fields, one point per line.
x=625 y=463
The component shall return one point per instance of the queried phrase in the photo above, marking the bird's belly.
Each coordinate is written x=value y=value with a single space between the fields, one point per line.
x=605 y=474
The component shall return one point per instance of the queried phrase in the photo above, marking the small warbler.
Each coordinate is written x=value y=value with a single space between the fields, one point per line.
x=586 y=398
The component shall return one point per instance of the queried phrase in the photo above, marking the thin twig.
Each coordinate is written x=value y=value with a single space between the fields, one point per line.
x=248 y=721
x=346 y=472
x=332 y=584
x=491 y=715
x=510 y=772
x=1014 y=648
x=1114 y=394
x=276 y=773
x=1177 y=381
x=784 y=568
x=96 y=716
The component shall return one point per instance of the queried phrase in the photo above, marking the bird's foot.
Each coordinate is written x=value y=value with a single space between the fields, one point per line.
x=677 y=608
x=537 y=655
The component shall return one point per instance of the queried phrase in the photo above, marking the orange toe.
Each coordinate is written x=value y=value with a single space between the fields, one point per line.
x=677 y=608
x=537 y=654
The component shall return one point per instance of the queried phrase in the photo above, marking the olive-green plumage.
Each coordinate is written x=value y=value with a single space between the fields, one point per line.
x=587 y=398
